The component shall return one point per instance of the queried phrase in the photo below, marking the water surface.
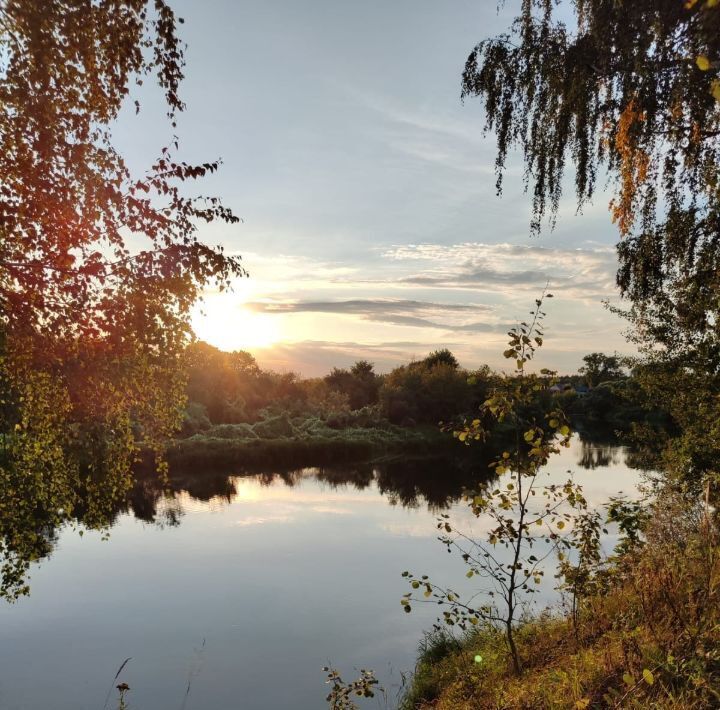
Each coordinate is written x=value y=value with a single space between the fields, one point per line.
x=244 y=587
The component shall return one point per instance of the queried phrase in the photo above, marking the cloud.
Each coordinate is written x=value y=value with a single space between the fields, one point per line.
x=412 y=313
x=579 y=273
x=443 y=139
x=361 y=306
x=257 y=520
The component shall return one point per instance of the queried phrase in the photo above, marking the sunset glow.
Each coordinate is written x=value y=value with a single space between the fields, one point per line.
x=224 y=321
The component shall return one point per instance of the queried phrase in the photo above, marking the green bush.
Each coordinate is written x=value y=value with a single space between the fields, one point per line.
x=232 y=431
x=195 y=419
x=275 y=427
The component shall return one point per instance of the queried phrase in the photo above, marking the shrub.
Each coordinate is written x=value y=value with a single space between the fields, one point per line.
x=275 y=427
x=195 y=419
x=232 y=431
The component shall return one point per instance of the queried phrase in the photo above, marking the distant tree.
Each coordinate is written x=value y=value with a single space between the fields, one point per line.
x=321 y=400
x=444 y=357
x=427 y=391
x=360 y=384
x=363 y=369
x=599 y=368
x=224 y=383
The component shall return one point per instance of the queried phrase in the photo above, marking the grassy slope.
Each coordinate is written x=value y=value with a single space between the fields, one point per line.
x=658 y=609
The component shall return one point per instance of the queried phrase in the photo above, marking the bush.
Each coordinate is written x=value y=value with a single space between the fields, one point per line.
x=195 y=419
x=243 y=432
x=275 y=427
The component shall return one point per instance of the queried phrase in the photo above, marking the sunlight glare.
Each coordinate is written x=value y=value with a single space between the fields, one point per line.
x=223 y=321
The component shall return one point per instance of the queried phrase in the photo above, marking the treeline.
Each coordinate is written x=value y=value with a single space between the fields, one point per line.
x=230 y=388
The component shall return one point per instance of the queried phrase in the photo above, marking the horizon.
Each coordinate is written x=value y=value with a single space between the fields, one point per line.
x=371 y=228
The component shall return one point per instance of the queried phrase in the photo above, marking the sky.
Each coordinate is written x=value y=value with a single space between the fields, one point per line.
x=371 y=225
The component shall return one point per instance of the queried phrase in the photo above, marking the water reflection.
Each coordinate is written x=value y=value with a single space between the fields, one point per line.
x=432 y=482
x=594 y=456
x=281 y=571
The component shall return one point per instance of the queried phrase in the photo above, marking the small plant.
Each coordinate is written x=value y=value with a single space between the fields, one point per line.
x=580 y=578
x=122 y=689
x=527 y=519
x=341 y=693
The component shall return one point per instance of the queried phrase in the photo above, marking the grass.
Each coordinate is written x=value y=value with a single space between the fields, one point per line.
x=648 y=638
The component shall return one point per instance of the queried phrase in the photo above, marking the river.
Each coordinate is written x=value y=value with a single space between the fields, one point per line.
x=242 y=588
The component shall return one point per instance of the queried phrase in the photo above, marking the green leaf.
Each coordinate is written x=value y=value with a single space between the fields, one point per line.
x=628 y=679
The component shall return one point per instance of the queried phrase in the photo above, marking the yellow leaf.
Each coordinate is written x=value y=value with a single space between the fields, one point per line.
x=648 y=676
x=703 y=63
x=715 y=89
x=462 y=435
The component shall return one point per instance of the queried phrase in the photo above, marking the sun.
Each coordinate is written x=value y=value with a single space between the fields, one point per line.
x=225 y=322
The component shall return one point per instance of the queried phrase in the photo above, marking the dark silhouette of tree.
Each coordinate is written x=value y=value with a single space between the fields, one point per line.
x=428 y=391
x=631 y=90
x=444 y=357
x=361 y=384
x=599 y=368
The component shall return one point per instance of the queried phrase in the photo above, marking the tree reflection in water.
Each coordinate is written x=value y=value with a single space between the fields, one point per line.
x=435 y=481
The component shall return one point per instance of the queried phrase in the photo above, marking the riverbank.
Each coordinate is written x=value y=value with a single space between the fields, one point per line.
x=648 y=636
x=280 y=443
